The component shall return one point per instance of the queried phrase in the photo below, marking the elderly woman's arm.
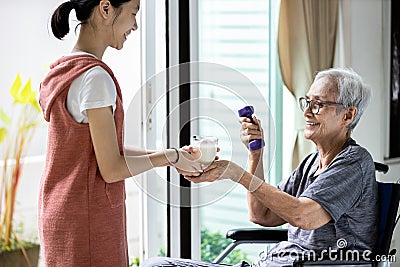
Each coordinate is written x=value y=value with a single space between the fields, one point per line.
x=273 y=206
x=258 y=212
x=301 y=212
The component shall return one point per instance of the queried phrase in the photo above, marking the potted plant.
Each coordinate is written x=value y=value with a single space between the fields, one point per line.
x=16 y=131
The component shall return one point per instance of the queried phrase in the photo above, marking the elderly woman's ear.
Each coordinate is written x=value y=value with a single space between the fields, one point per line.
x=349 y=115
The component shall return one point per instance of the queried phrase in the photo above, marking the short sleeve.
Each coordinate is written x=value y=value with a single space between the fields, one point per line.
x=340 y=187
x=287 y=184
x=97 y=90
x=295 y=182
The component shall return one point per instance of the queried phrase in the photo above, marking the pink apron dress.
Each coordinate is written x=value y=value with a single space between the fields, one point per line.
x=82 y=219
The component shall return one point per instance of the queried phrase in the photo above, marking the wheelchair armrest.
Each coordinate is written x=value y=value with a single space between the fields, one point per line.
x=380 y=167
x=252 y=234
x=249 y=236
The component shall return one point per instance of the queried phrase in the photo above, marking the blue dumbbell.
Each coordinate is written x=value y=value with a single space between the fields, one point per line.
x=247 y=112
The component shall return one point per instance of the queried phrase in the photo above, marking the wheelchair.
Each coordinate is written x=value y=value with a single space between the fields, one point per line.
x=389 y=198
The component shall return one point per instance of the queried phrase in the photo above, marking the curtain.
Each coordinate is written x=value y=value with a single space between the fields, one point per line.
x=306 y=44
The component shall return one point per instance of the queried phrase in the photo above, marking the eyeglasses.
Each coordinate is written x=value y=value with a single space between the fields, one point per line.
x=314 y=105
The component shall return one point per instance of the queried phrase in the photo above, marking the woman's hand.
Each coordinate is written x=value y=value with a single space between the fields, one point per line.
x=250 y=131
x=218 y=170
x=187 y=164
x=196 y=154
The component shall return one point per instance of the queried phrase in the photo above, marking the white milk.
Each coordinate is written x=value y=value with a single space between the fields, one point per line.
x=207 y=147
x=208 y=150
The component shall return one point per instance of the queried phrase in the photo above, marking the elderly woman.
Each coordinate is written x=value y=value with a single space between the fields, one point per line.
x=330 y=200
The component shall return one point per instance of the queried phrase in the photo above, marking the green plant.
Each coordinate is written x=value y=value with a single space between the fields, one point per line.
x=213 y=243
x=15 y=243
x=16 y=131
x=135 y=262
x=162 y=252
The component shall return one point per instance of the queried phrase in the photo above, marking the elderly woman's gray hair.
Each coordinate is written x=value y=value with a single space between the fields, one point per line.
x=352 y=91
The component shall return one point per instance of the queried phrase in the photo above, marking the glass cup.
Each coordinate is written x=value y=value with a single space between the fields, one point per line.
x=207 y=146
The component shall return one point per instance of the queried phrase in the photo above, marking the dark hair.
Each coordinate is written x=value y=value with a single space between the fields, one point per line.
x=83 y=10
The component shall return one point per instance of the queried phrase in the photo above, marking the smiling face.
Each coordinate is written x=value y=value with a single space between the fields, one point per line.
x=328 y=125
x=124 y=23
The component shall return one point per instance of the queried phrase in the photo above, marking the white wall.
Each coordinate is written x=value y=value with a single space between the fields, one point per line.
x=28 y=48
x=366 y=27
x=364 y=21
x=367 y=43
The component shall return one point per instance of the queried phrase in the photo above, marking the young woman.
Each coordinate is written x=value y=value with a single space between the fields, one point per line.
x=81 y=204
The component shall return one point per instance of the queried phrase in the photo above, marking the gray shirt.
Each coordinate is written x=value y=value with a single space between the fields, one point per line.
x=347 y=190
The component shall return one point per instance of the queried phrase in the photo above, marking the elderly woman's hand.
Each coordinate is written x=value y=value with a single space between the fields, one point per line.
x=250 y=131
x=219 y=170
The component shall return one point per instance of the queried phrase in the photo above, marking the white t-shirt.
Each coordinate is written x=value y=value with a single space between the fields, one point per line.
x=93 y=89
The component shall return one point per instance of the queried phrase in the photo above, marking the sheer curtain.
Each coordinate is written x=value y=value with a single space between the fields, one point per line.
x=306 y=44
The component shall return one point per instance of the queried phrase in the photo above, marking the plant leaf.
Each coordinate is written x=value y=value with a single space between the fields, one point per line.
x=34 y=101
x=26 y=95
x=15 y=86
x=36 y=105
x=26 y=92
x=3 y=134
x=4 y=117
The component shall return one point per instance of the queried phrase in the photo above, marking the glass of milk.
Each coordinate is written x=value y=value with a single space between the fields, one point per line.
x=207 y=146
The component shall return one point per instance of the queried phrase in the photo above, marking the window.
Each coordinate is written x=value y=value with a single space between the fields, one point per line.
x=234 y=41
x=239 y=37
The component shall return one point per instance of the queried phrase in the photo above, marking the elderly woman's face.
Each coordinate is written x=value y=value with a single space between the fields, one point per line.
x=327 y=124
